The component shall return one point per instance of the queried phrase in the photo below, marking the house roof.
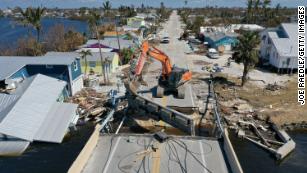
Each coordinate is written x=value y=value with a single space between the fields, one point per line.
x=67 y=55
x=291 y=30
x=25 y=118
x=6 y=102
x=272 y=35
x=216 y=36
x=57 y=121
x=95 y=50
x=250 y=27
x=11 y=64
x=285 y=39
x=94 y=57
x=113 y=43
x=97 y=45
x=106 y=55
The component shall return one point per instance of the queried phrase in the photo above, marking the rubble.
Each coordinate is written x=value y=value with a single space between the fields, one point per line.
x=91 y=103
x=273 y=87
x=254 y=126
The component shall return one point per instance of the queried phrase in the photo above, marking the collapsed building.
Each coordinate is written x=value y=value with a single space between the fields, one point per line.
x=32 y=94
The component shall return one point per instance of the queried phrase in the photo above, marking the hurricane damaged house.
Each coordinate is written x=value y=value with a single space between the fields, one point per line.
x=32 y=94
x=278 y=47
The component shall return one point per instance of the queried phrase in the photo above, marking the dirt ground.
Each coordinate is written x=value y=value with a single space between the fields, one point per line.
x=280 y=107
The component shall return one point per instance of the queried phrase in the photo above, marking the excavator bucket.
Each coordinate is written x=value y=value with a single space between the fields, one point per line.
x=132 y=86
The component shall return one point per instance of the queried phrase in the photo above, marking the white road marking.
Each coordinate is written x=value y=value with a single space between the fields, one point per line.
x=192 y=95
x=202 y=155
x=105 y=170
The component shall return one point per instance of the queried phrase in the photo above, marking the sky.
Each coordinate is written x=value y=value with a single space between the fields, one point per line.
x=156 y=3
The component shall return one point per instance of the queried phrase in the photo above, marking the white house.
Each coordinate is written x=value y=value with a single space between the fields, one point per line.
x=279 y=46
x=231 y=28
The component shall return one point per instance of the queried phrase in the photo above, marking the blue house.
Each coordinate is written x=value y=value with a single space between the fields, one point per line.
x=32 y=94
x=68 y=69
x=217 y=39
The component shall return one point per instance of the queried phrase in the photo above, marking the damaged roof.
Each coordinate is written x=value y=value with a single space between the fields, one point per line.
x=33 y=108
x=56 y=123
x=11 y=64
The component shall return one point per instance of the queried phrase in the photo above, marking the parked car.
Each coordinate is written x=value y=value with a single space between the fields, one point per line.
x=213 y=54
x=165 y=40
x=217 y=69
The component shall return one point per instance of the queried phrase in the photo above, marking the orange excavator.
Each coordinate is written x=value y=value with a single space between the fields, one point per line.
x=172 y=79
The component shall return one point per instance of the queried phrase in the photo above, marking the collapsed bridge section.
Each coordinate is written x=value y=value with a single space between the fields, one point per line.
x=177 y=119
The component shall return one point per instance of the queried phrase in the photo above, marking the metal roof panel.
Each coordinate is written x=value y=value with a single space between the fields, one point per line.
x=55 y=126
x=29 y=112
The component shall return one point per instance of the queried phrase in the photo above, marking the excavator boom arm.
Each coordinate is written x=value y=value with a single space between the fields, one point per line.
x=164 y=59
x=160 y=56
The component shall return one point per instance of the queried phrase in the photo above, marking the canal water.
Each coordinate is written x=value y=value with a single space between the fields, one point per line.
x=11 y=31
x=254 y=159
x=49 y=158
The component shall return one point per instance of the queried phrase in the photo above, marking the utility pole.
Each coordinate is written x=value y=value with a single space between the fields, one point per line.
x=117 y=17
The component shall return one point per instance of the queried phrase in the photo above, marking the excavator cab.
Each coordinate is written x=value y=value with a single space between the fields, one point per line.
x=172 y=83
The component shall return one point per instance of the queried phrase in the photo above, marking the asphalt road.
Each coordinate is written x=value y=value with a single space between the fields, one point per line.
x=176 y=49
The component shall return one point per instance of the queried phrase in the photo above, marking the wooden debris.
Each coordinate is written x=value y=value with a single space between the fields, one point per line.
x=91 y=103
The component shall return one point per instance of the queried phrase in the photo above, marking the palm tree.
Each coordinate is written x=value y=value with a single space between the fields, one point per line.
x=84 y=54
x=265 y=5
x=32 y=17
x=107 y=8
x=256 y=10
x=249 y=12
x=246 y=52
x=277 y=9
x=93 y=21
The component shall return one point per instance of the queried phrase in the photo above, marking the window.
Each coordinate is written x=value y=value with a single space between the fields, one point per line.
x=288 y=62
x=264 y=37
x=75 y=64
x=49 y=66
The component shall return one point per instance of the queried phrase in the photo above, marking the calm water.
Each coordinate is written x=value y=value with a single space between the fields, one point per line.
x=11 y=31
x=48 y=158
x=254 y=159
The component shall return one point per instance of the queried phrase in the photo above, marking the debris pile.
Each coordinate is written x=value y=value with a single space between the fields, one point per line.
x=249 y=124
x=273 y=87
x=91 y=103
